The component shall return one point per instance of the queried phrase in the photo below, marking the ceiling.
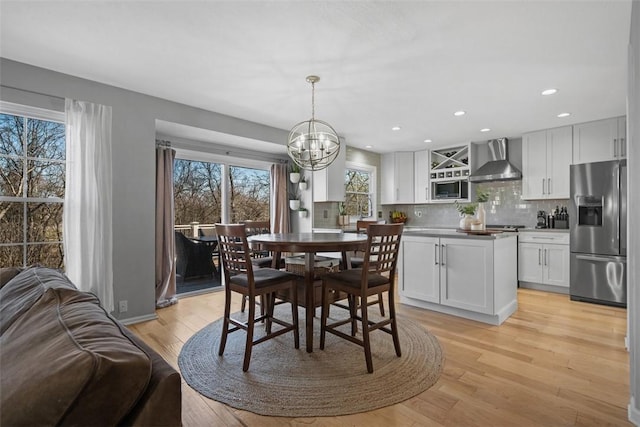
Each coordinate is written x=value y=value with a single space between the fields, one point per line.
x=382 y=64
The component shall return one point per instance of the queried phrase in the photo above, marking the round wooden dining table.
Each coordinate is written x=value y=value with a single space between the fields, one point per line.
x=310 y=244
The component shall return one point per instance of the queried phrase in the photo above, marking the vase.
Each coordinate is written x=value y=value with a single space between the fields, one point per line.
x=303 y=214
x=302 y=185
x=343 y=219
x=465 y=222
x=481 y=216
x=294 y=177
x=294 y=204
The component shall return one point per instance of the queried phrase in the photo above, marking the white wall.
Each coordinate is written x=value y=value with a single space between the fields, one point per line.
x=633 y=236
x=134 y=134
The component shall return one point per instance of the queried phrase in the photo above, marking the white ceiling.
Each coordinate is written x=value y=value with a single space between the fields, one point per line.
x=384 y=63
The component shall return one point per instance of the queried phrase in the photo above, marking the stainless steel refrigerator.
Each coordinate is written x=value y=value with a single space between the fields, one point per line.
x=598 y=227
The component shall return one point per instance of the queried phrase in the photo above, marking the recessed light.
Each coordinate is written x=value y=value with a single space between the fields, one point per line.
x=549 y=92
x=427 y=140
x=459 y=113
x=485 y=130
x=564 y=114
x=368 y=146
x=395 y=128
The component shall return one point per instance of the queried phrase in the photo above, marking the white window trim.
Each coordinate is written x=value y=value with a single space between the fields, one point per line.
x=373 y=185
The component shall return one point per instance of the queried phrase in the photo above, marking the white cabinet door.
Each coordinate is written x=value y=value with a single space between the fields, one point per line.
x=599 y=140
x=328 y=183
x=534 y=165
x=466 y=274
x=397 y=178
x=556 y=265
x=559 y=149
x=421 y=169
x=420 y=270
x=530 y=262
x=546 y=157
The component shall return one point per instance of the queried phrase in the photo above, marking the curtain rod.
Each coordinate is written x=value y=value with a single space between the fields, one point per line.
x=34 y=92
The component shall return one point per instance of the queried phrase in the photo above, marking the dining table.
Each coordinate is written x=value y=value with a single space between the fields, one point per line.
x=310 y=244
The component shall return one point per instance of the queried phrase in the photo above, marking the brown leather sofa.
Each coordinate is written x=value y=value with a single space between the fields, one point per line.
x=65 y=361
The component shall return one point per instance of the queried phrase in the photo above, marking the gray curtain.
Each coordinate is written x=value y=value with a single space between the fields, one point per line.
x=280 y=203
x=165 y=239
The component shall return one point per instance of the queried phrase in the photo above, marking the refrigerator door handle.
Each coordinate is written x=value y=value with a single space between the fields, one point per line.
x=602 y=258
x=617 y=191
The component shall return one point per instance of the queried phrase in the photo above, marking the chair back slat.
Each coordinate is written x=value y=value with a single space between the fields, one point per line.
x=234 y=250
x=383 y=244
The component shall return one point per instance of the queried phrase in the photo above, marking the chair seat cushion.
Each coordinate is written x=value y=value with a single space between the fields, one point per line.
x=265 y=262
x=352 y=278
x=263 y=277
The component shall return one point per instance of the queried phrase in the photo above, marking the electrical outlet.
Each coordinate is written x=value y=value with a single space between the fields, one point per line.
x=123 y=306
x=325 y=214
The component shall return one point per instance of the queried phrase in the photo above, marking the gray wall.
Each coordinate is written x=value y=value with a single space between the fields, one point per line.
x=134 y=134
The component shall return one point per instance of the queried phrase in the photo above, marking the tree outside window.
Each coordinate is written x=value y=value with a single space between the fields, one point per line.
x=358 y=193
x=32 y=183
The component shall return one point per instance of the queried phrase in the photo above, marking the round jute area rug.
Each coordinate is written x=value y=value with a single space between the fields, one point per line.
x=288 y=382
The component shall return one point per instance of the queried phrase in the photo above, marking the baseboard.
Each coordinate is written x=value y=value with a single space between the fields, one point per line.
x=546 y=288
x=491 y=319
x=634 y=412
x=138 y=319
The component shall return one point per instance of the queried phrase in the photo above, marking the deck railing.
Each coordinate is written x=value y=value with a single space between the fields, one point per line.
x=193 y=229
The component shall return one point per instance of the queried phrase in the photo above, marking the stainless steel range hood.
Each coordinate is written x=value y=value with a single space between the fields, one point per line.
x=498 y=168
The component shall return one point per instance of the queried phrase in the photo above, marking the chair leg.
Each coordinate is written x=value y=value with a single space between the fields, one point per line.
x=394 y=324
x=324 y=314
x=266 y=305
x=365 y=336
x=294 y=314
x=381 y=304
x=250 y=325
x=225 y=322
x=243 y=305
x=353 y=312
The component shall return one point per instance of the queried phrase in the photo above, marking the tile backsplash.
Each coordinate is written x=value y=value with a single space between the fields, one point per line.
x=505 y=206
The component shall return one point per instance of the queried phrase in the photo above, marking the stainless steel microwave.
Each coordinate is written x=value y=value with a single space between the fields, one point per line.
x=456 y=189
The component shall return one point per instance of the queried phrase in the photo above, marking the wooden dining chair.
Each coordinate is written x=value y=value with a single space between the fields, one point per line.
x=376 y=276
x=241 y=277
x=358 y=261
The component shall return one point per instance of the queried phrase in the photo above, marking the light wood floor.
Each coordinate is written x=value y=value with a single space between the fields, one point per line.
x=553 y=363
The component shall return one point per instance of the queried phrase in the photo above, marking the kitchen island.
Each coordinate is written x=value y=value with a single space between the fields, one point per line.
x=474 y=276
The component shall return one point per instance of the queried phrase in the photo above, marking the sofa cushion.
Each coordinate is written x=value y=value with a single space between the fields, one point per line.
x=8 y=273
x=65 y=361
x=22 y=291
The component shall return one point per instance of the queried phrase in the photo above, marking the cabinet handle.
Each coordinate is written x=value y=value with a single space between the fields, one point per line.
x=426 y=193
x=623 y=148
x=545 y=258
x=548 y=185
x=435 y=255
x=539 y=256
x=543 y=186
x=397 y=194
x=444 y=254
x=615 y=147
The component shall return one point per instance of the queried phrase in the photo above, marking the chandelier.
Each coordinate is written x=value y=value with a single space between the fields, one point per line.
x=313 y=144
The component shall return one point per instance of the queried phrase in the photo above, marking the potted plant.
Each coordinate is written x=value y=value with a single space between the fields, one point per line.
x=303 y=212
x=294 y=175
x=467 y=211
x=482 y=197
x=303 y=183
x=294 y=201
x=343 y=218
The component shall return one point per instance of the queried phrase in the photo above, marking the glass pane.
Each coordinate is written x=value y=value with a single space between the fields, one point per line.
x=356 y=181
x=11 y=223
x=197 y=192
x=11 y=172
x=249 y=194
x=11 y=256
x=44 y=221
x=45 y=179
x=358 y=205
x=45 y=255
x=11 y=127
x=45 y=139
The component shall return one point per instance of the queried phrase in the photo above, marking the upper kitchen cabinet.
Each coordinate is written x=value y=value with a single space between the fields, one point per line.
x=600 y=140
x=328 y=183
x=421 y=184
x=449 y=174
x=397 y=178
x=546 y=157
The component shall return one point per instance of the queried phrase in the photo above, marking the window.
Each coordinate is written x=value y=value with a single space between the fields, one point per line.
x=360 y=191
x=32 y=183
x=208 y=192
